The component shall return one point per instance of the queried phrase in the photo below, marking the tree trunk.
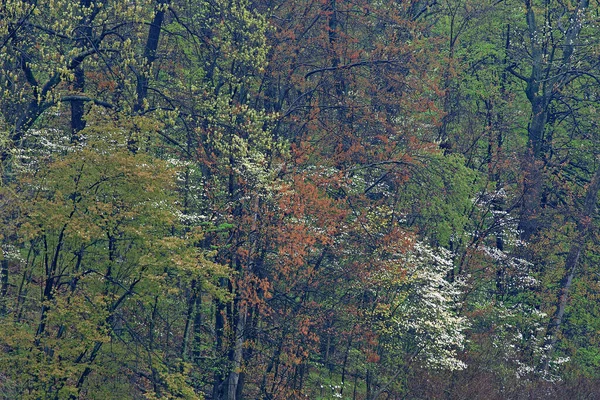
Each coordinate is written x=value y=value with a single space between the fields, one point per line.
x=584 y=224
x=548 y=77
x=539 y=95
x=532 y=191
x=149 y=55
x=237 y=359
x=219 y=334
x=3 y=283
x=77 y=106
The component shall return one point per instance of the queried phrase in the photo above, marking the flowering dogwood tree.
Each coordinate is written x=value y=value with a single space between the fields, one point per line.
x=417 y=316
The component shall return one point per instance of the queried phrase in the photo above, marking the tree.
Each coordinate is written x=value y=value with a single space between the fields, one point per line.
x=98 y=224
x=553 y=32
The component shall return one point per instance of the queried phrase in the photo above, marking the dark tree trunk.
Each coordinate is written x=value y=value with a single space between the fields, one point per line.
x=77 y=106
x=149 y=55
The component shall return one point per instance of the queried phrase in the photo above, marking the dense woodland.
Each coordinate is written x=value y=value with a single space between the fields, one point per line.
x=285 y=199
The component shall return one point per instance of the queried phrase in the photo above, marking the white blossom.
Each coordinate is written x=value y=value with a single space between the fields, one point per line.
x=425 y=316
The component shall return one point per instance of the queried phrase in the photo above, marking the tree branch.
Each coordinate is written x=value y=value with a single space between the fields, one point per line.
x=348 y=66
x=86 y=98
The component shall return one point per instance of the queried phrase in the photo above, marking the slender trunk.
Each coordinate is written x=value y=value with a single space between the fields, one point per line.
x=327 y=360
x=368 y=383
x=447 y=102
x=495 y=176
x=237 y=358
x=151 y=327
x=197 y=327
x=277 y=365
x=25 y=279
x=239 y=394
x=344 y=365
x=247 y=352
x=219 y=336
x=224 y=312
x=3 y=283
x=303 y=370
x=189 y=321
x=242 y=312
x=88 y=370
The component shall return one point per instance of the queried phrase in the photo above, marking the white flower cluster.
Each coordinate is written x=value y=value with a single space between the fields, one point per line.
x=519 y=335
x=425 y=316
x=12 y=253
x=518 y=269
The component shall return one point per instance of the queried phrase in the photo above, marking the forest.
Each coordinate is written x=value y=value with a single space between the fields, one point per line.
x=299 y=199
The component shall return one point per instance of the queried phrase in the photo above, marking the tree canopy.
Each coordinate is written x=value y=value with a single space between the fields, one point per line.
x=285 y=199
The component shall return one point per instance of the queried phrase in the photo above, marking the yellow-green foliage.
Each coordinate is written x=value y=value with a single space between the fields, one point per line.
x=103 y=223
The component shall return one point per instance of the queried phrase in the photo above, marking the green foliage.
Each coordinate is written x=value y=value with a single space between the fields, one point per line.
x=445 y=216
x=335 y=199
x=101 y=221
